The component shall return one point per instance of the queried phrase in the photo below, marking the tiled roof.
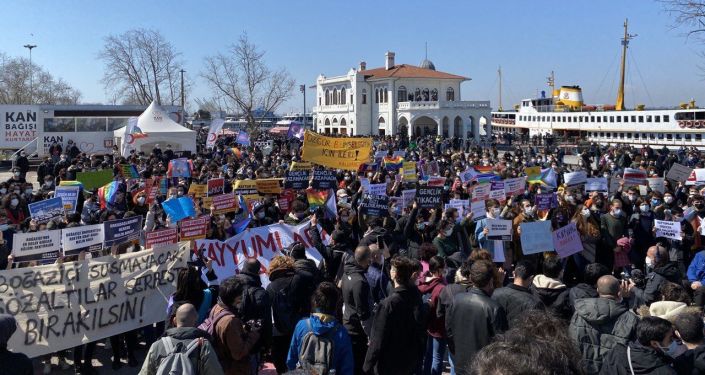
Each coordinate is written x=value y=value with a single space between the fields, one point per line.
x=408 y=71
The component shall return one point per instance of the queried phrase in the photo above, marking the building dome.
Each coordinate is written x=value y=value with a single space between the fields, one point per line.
x=427 y=64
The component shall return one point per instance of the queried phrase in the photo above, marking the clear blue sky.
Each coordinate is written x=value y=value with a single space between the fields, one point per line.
x=578 y=40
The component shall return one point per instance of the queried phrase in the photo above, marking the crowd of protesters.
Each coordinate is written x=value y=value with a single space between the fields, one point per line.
x=415 y=291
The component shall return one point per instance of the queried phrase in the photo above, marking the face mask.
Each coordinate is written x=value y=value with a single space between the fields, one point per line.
x=347 y=178
x=17 y=174
x=28 y=191
x=668 y=200
x=3 y=191
x=644 y=208
x=344 y=218
x=617 y=212
x=649 y=263
x=632 y=197
x=140 y=200
x=655 y=202
x=496 y=212
x=528 y=211
x=585 y=212
x=570 y=199
x=420 y=226
x=677 y=219
x=14 y=202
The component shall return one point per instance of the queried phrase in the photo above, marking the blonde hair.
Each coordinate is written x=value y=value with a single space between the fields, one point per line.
x=280 y=262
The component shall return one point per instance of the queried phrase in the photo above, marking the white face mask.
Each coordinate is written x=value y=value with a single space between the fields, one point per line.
x=617 y=211
x=140 y=200
x=14 y=202
x=528 y=211
x=668 y=200
x=649 y=262
x=585 y=212
x=644 y=208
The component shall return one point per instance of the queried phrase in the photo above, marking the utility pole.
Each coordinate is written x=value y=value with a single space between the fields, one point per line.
x=302 y=88
x=499 y=72
x=183 y=107
x=30 y=47
x=619 y=106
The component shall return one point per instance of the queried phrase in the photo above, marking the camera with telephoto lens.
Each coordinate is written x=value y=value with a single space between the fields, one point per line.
x=625 y=275
x=253 y=324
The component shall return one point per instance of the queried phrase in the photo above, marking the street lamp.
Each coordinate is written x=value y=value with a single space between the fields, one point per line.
x=183 y=108
x=30 y=47
x=302 y=88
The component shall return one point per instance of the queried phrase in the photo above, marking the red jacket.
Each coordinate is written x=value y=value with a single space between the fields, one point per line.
x=436 y=325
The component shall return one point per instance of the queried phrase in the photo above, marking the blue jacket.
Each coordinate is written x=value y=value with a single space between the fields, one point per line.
x=696 y=270
x=342 y=357
x=481 y=238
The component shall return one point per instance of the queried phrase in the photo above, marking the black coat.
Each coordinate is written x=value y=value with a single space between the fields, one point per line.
x=283 y=279
x=262 y=308
x=473 y=320
x=306 y=279
x=515 y=300
x=581 y=290
x=644 y=360
x=654 y=280
x=398 y=334
x=356 y=298
x=691 y=362
x=20 y=363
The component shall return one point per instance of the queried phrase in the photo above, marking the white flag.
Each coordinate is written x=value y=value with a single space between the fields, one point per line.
x=127 y=139
x=216 y=126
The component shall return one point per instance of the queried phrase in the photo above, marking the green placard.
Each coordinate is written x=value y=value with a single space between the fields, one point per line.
x=94 y=180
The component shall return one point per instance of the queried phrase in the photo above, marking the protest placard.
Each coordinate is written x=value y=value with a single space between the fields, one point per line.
x=575 y=178
x=377 y=189
x=224 y=203
x=374 y=205
x=216 y=186
x=336 y=152
x=499 y=229
x=462 y=205
x=297 y=180
x=668 y=229
x=478 y=210
x=246 y=188
x=536 y=237
x=179 y=168
x=88 y=238
x=69 y=197
x=160 y=238
x=47 y=210
x=634 y=177
x=436 y=181
x=42 y=245
x=324 y=179
x=300 y=166
x=566 y=241
x=657 y=184
x=545 y=201
x=193 y=229
x=467 y=175
x=179 y=208
x=409 y=171
x=122 y=230
x=90 y=299
x=429 y=196
x=481 y=192
x=515 y=186
x=198 y=190
x=597 y=184
x=407 y=197
x=269 y=185
x=679 y=172
x=499 y=194
x=94 y=180
x=697 y=177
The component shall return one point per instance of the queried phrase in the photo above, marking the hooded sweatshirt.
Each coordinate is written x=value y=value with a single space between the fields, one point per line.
x=432 y=287
x=323 y=324
x=644 y=360
x=553 y=294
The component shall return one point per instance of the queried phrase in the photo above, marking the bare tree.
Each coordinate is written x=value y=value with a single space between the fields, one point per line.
x=246 y=83
x=15 y=84
x=689 y=15
x=141 y=66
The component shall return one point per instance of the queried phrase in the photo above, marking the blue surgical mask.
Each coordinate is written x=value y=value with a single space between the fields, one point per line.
x=655 y=202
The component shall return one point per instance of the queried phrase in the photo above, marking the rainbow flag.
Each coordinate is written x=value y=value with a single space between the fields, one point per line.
x=316 y=198
x=393 y=163
x=71 y=183
x=236 y=151
x=129 y=171
x=483 y=168
x=533 y=174
x=107 y=193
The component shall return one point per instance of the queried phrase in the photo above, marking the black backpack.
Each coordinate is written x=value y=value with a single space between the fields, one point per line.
x=283 y=309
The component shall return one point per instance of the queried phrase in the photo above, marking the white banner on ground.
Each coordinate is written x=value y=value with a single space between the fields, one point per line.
x=59 y=307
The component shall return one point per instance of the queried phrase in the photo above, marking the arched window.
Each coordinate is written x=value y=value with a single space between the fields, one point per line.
x=384 y=95
x=450 y=94
x=364 y=96
x=327 y=123
x=342 y=122
x=401 y=94
x=327 y=97
x=417 y=95
x=434 y=95
x=376 y=95
x=335 y=96
x=342 y=96
x=425 y=95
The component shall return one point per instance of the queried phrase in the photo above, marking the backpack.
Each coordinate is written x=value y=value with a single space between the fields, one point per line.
x=248 y=307
x=316 y=352
x=177 y=360
x=283 y=312
x=211 y=321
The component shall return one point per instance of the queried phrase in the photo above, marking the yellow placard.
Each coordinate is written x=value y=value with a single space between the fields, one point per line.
x=409 y=171
x=269 y=186
x=338 y=153
x=246 y=188
x=198 y=190
x=300 y=166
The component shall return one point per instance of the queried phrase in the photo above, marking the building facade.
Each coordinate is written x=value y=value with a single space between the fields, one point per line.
x=397 y=99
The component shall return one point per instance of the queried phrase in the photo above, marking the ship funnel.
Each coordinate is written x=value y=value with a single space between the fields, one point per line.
x=571 y=96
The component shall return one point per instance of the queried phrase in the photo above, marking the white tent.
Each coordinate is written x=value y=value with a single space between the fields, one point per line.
x=160 y=130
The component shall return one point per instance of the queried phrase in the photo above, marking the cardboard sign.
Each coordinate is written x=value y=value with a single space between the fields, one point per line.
x=47 y=210
x=374 y=205
x=246 y=188
x=499 y=229
x=324 y=179
x=481 y=192
x=657 y=184
x=429 y=197
x=536 y=237
x=467 y=175
x=194 y=229
x=94 y=180
x=597 y=184
x=515 y=186
x=409 y=171
x=269 y=185
x=575 y=178
x=668 y=229
x=88 y=238
x=634 y=177
x=679 y=172
x=216 y=186
x=122 y=230
x=567 y=241
x=160 y=238
x=69 y=197
x=44 y=245
x=88 y=300
x=336 y=152
x=198 y=190
x=377 y=189
x=224 y=203
x=407 y=197
x=545 y=201
x=478 y=209
x=297 y=180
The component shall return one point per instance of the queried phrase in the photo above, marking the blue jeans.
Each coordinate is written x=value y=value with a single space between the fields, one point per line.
x=435 y=354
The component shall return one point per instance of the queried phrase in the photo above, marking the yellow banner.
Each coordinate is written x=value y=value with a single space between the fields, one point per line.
x=269 y=186
x=198 y=190
x=409 y=171
x=300 y=166
x=339 y=153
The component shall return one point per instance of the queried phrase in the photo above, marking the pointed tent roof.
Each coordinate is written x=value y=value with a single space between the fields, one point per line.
x=155 y=119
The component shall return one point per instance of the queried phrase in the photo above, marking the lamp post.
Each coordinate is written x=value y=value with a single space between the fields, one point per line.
x=302 y=88
x=30 y=47
x=183 y=107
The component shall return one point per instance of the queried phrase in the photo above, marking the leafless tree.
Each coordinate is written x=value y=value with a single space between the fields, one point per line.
x=15 y=84
x=688 y=15
x=242 y=78
x=141 y=66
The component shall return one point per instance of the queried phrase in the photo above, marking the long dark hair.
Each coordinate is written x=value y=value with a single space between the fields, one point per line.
x=189 y=286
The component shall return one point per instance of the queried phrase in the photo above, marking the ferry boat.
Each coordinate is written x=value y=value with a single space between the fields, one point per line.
x=564 y=114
